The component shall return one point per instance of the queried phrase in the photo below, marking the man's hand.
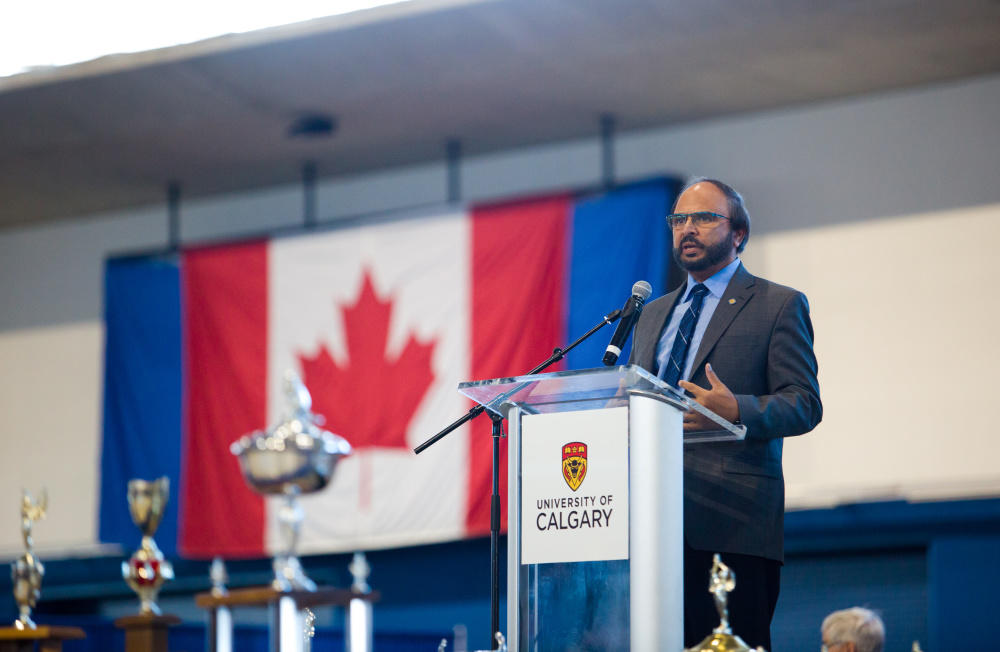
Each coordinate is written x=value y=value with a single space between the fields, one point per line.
x=718 y=399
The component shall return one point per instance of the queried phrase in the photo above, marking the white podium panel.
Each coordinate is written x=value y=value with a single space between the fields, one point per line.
x=574 y=486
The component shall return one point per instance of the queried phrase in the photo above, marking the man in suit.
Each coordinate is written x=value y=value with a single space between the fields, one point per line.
x=741 y=346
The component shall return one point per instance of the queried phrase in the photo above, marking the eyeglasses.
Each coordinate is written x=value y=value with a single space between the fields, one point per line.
x=677 y=221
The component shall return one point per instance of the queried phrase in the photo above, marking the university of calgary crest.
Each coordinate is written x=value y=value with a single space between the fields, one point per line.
x=574 y=468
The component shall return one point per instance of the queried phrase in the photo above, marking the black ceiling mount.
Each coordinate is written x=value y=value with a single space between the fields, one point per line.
x=313 y=125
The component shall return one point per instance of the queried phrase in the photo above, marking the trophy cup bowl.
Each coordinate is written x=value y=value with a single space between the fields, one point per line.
x=147 y=501
x=294 y=457
x=146 y=570
x=290 y=458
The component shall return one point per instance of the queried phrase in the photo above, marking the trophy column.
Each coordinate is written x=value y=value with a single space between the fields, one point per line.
x=26 y=576
x=220 y=618
x=147 y=569
x=359 y=635
x=291 y=458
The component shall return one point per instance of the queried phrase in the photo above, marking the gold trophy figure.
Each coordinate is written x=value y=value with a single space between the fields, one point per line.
x=721 y=583
x=26 y=570
x=146 y=570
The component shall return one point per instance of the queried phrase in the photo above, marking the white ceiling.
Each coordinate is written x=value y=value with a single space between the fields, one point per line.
x=496 y=74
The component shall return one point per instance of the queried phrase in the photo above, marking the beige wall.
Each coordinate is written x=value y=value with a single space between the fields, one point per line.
x=906 y=336
x=50 y=399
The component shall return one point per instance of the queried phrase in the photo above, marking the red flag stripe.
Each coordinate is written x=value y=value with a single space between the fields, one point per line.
x=519 y=289
x=225 y=331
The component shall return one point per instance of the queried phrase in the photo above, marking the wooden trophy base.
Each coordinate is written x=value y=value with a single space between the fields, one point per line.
x=146 y=632
x=49 y=639
x=263 y=596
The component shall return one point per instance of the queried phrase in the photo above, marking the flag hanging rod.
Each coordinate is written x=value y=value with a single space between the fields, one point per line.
x=453 y=156
x=418 y=210
x=608 y=125
x=309 y=195
x=173 y=215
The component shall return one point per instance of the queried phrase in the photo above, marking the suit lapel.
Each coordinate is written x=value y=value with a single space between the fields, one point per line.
x=737 y=294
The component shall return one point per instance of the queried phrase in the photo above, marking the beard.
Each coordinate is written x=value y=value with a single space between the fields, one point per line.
x=711 y=255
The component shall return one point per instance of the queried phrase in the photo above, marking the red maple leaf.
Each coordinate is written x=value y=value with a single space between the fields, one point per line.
x=371 y=400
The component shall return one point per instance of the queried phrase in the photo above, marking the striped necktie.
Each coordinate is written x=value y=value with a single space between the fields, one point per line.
x=682 y=342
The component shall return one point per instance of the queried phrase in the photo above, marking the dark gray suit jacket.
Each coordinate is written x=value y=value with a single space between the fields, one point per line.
x=760 y=344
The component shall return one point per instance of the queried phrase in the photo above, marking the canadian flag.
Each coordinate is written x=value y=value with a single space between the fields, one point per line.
x=381 y=321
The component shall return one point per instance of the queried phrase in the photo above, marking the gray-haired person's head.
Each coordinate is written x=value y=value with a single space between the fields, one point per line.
x=856 y=625
x=739 y=218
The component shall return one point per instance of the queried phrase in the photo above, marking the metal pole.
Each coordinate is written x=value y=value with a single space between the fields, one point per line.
x=173 y=215
x=453 y=154
x=608 y=150
x=495 y=533
x=309 y=194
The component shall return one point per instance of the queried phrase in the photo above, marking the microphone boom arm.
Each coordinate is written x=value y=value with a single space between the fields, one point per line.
x=557 y=355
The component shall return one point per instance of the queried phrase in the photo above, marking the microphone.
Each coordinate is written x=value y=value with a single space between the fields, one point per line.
x=630 y=314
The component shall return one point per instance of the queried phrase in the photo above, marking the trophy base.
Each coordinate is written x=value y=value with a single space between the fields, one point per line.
x=722 y=642
x=49 y=639
x=146 y=633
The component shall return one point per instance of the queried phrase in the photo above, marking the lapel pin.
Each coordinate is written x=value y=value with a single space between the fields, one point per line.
x=732 y=301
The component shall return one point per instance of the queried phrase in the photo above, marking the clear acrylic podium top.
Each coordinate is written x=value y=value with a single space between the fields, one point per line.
x=589 y=389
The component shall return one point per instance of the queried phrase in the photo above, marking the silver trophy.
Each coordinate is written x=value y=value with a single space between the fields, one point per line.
x=294 y=457
x=360 y=570
x=146 y=570
x=26 y=571
x=218 y=576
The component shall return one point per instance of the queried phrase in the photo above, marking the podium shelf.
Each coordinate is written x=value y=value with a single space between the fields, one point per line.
x=591 y=389
x=585 y=389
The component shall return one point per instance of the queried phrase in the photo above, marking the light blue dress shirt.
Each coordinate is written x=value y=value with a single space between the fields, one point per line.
x=716 y=285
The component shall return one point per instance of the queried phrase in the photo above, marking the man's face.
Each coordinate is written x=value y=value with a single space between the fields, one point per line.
x=707 y=249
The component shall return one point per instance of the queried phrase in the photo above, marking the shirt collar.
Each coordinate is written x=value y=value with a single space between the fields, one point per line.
x=716 y=283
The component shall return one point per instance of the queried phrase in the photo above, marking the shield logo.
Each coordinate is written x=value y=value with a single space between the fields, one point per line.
x=574 y=463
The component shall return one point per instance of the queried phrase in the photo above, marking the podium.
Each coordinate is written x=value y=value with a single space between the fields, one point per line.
x=595 y=507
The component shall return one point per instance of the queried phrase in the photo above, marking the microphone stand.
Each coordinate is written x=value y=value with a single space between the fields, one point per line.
x=497 y=419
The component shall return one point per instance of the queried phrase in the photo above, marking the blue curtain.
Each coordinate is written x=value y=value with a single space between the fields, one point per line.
x=142 y=392
x=618 y=238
